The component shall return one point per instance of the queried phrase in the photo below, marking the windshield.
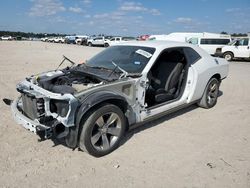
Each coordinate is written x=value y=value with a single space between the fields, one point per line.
x=132 y=59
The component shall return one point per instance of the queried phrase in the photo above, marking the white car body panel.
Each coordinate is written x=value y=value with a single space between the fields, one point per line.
x=199 y=74
x=98 y=41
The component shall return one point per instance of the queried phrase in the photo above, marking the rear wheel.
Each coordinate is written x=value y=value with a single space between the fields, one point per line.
x=210 y=95
x=106 y=45
x=90 y=44
x=103 y=130
x=228 y=56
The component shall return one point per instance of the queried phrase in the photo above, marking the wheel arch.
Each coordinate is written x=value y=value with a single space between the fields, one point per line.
x=92 y=102
x=228 y=52
x=217 y=76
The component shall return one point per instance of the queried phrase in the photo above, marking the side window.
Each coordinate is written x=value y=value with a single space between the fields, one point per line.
x=215 y=41
x=112 y=39
x=118 y=39
x=226 y=41
x=193 y=41
x=204 y=41
x=246 y=41
x=243 y=42
x=191 y=55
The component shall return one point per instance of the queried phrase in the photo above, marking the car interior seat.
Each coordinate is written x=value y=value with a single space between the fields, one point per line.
x=167 y=76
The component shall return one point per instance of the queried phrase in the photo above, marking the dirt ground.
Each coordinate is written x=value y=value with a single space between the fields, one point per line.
x=191 y=148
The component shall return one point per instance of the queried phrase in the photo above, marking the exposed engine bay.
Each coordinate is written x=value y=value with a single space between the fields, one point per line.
x=74 y=79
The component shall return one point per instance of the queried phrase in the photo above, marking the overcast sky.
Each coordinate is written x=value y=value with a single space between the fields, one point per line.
x=125 y=17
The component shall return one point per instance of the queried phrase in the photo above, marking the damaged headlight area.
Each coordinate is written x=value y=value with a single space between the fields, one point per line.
x=45 y=113
x=61 y=107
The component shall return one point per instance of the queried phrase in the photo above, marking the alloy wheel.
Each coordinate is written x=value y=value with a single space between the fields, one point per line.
x=106 y=131
x=212 y=93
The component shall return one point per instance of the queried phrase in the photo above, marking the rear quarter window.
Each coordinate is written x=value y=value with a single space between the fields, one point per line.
x=192 y=55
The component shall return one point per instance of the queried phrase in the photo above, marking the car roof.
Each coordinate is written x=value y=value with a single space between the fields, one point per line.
x=156 y=44
x=161 y=45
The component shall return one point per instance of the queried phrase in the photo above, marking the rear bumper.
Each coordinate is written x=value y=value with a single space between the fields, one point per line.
x=34 y=126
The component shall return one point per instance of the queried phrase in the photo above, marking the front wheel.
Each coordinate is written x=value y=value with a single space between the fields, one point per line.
x=103 y=130
x=228 y=56
x=210 y=95
x=89 y=44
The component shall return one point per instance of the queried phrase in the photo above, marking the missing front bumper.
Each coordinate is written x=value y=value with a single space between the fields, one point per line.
x=43 y=131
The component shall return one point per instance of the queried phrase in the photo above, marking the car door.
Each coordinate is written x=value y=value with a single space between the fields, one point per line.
x=117 y=40
x=242 y=48
x=188 y=81
x=97 y=41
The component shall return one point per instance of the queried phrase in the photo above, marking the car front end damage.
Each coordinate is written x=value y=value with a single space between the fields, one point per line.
x=49 y=102
x=47 y=105
x=43 y=112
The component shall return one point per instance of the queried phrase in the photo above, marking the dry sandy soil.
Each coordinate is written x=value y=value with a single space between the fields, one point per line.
x=191 y=148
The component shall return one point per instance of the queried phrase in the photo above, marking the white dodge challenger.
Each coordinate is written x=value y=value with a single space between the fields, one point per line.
x=91 y=105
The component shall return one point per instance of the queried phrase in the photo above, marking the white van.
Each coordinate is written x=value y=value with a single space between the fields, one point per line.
x=239 y=48
x=210 y=44
x=176 y=36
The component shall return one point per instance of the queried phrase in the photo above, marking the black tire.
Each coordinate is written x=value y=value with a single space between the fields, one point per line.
x=89 y=44
x=106 y=45
x=103 y=130
x=228 y=56
x=210 y=95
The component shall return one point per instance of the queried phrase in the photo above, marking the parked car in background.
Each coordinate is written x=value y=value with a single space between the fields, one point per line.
x=70 y=39
x=59 y=40
x=239 y=48
x=177 y=36
x=81 y=39
x=91 y=106
x=98 y=41
x=45 y=39
x=192 y=38
x=143 y=37
x=210 y=44
x=116 y=40
x=51 y=39
x=6 y=37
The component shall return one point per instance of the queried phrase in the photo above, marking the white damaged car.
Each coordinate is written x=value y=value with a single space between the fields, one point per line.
x=92 y=105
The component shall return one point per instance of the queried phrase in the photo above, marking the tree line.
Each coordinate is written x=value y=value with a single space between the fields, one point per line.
x=235 y=34
x=41 y=35
x=30 y=34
